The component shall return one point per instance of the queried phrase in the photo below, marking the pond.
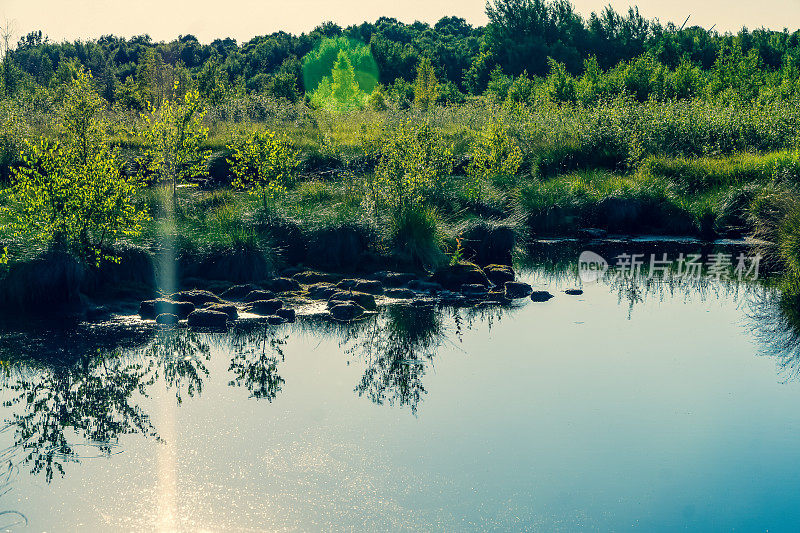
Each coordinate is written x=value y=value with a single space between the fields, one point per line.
x=635 y=405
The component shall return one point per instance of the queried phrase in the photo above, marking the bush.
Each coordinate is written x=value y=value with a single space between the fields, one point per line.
x=264 y=164
x=413 y=160
x=495 y=156
x=71 y=193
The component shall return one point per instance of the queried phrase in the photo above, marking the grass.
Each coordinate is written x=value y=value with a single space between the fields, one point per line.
x=687 y=167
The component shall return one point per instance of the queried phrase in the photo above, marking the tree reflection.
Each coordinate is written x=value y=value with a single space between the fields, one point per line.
x=397 y=348
x=179 y=357
x=254 y=362
x=774 y=317
x=90 y=401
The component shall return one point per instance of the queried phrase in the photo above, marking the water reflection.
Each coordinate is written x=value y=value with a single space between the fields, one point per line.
x=774 y=319
x=56 y=410
x=71 y=394
x=255 y=354
x=179 y=357
x=397 y=349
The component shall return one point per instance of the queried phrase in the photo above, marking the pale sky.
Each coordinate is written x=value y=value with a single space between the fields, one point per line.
x=242 y=19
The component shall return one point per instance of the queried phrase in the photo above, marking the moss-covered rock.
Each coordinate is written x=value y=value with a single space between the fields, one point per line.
x=367 y=301
x=452 y=277
x=150 y=309
x=499 y=274
x=206 y=318
x=197 y=297
x=345 y=311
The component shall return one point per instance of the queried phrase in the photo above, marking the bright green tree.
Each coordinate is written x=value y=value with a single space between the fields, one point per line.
x=413 y=160
x=71 y=193
x=174 y=134
x=495 y=156
x=340 y=91
x=426 y=87
x=264 y=164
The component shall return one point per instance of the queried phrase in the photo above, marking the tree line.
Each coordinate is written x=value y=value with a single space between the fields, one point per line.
x=523 y=39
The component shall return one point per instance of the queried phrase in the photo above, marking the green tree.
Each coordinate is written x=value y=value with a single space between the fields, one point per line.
x=413 y=160
x=174 y=134
x=340 y=91
x=212 y=82
x=426 y=88
x=264 y=164
x=71 y=192
x=495 y=156
x=320 y=62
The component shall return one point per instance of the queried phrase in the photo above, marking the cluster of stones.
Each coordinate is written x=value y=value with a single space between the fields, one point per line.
x=460 y=285
x=204 y=309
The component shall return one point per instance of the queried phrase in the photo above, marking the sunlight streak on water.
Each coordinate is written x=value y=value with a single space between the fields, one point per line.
x=167 y=484
x=167 y=518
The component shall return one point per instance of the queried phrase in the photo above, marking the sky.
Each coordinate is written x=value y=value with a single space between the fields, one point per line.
x=243 y=19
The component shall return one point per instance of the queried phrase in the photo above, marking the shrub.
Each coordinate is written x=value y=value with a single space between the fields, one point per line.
x=413 y=160
x=426 y=88
x=264 y=164
x=71 y=193
x=494 y=156
x=173 y=136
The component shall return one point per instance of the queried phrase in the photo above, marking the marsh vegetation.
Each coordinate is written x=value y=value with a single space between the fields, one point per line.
x=388 y=145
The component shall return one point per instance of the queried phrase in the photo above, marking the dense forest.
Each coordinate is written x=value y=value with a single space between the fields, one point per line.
x=605 y=53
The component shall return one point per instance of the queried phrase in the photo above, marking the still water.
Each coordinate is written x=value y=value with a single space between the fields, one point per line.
x=628 y=407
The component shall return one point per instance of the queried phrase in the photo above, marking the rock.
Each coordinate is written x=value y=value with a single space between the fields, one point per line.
x=197 y=297
x=314 y=276
x=283 y=285
x=264 y=307
x=322 y=291
x=292 y=271
x=98 y=313
x=517 y=289
x=205 y=318
x=426 y=286
x=454 y=276
x=288 y=315
x=401 y=294
x=366 y=301
x=256 y=295
x=540 y=296
x=227 y=308
x=275 y=320
x=474 y=289
x=238 y=292
x=499 y=274
x=369 y=286
x=346 y=311
x=394 y=279
x=150 y=309
x=346 y=284
x=573 y=292
x=167 y=319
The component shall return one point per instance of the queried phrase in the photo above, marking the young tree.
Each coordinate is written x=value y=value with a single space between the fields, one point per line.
x=495 y=156
x=340 y=91
x=71 y=192
x=264 y=164
x=174 y=134
x=426 y=88
x=6 y=34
